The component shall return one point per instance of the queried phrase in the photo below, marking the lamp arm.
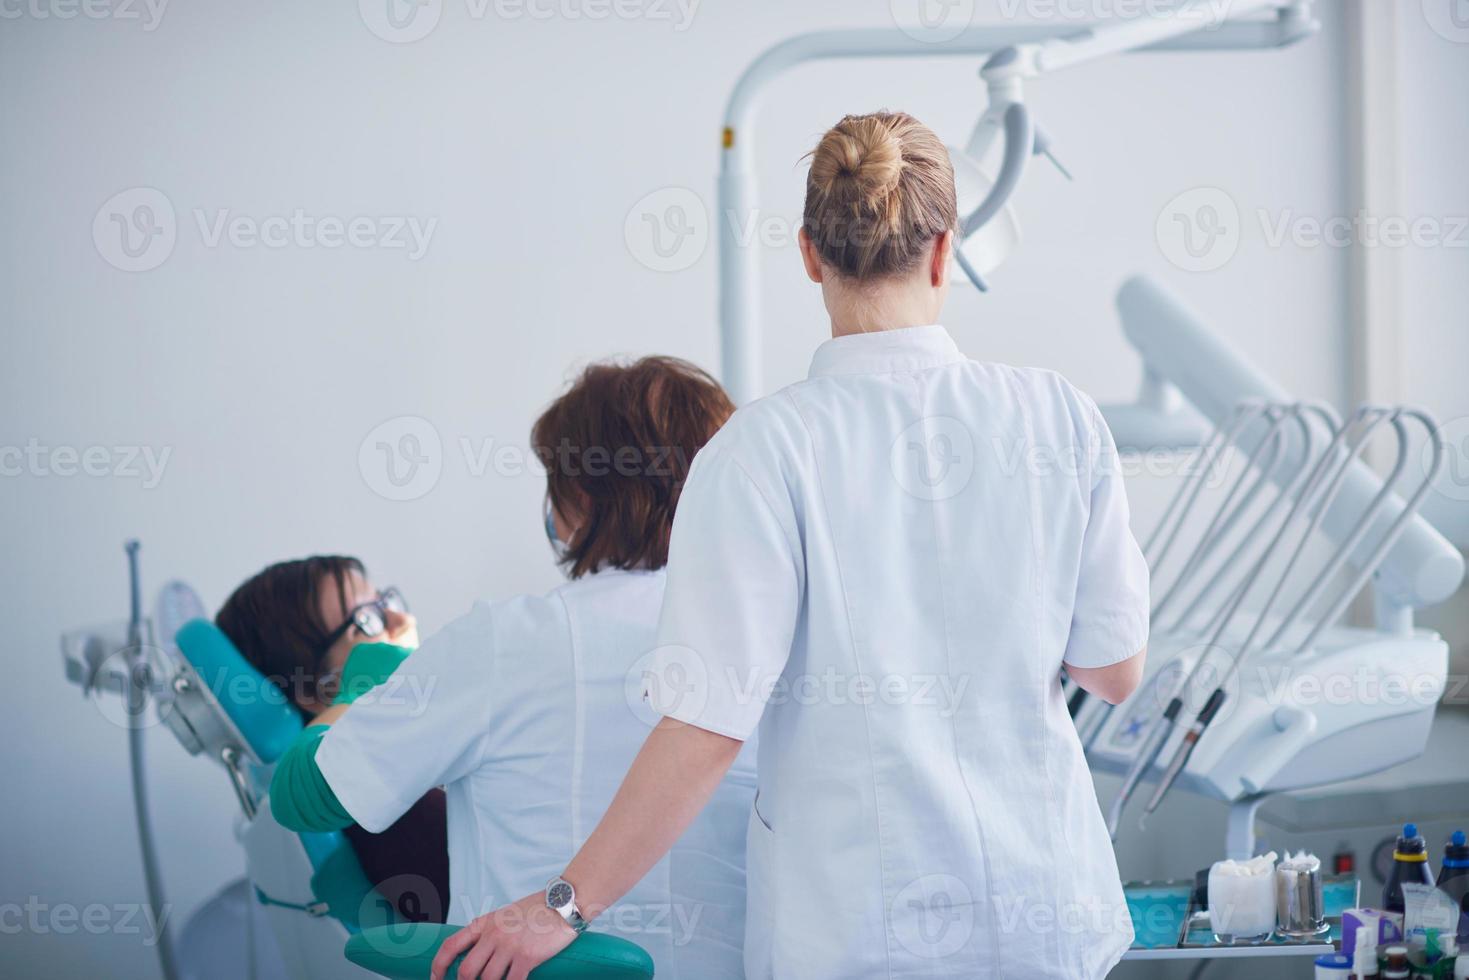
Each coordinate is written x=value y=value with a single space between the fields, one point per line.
x=1189 y=17
x=740 y=354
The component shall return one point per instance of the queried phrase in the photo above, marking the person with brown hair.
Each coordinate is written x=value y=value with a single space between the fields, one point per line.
x=300 y=623
x=528 y=710
x=907 y=547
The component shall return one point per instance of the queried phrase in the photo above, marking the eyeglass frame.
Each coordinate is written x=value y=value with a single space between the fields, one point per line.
x=382 y=604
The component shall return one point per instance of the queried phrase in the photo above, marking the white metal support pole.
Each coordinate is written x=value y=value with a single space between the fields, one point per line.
x=1375 y=190
x=738 y=271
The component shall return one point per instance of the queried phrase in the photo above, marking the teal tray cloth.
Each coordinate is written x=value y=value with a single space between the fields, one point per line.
x=1164 y=917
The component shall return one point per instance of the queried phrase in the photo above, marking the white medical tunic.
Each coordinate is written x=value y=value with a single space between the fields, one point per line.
x=529 y=712
x=885 y=567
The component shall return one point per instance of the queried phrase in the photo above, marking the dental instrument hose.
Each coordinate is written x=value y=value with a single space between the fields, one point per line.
x=1368 y=566
x=1162 y=729
x=137 y=705
x=1216 y=697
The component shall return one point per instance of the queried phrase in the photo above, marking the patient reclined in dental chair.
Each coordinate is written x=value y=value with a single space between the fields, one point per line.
x=326 y=918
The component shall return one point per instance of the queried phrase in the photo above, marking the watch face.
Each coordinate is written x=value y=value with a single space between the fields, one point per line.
x=559 y=895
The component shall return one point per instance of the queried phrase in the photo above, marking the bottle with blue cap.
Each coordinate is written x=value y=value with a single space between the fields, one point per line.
x=1333 y=966
x=1409 y=864
x=1453 y=881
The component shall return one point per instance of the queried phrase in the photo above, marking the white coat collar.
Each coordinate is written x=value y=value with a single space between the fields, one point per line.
x=904 y=349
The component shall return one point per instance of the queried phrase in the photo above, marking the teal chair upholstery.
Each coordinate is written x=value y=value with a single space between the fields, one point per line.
x=405 y=952
x=259 y=711
x=255 y=716
x=234 y=705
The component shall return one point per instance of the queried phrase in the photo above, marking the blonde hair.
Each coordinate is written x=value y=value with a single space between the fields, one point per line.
x=880 y=190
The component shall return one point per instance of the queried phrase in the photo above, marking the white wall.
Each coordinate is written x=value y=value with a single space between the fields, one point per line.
x=261 y=371
x=1435 y=51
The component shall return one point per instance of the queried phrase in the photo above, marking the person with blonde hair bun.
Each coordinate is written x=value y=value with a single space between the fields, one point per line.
x=884 y=568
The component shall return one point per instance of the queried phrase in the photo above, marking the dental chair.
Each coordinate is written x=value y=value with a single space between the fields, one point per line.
x=326 y=918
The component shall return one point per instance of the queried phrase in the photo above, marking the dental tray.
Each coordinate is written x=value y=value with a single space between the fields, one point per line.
x=1170 y=923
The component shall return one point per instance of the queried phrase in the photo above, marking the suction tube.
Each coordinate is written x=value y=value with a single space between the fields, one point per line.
x=136 y=697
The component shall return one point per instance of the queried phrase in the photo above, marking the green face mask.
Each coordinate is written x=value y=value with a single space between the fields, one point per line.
x=558 y=547
x=368 y=665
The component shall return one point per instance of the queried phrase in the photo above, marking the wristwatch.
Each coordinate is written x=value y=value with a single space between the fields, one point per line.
x=561 y=899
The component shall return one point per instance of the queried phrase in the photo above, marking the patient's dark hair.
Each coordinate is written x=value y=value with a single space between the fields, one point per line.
x=617 y=448
x=274 y=619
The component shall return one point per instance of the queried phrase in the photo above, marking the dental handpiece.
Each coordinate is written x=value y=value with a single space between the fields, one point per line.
x=1158 y=735
x=1309 y=491
x=1217 y=696
x=1148 y=753
x=1185 y=750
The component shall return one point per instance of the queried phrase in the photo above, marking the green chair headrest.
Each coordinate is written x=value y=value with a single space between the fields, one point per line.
x=405 y=952
x=257 y=708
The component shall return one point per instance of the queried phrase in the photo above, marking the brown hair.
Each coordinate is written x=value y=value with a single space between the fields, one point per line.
x=617 y=448
x=880 y=190
x=274 y=619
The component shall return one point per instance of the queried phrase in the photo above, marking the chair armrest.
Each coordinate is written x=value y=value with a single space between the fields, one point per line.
x=406 y=951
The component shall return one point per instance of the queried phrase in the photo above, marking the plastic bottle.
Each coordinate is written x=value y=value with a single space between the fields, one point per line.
x=1461 y=967
x=1453 y=880
x=1364 y=957
x=1409 y=863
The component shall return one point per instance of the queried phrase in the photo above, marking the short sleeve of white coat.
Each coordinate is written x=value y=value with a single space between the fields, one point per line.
x=1109 y=620
x=729 y=609
x=423 y=727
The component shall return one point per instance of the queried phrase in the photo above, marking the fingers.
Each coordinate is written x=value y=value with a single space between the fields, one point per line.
x=499 y=965
x=520 y=971
x=451 y=948
x=474 y=962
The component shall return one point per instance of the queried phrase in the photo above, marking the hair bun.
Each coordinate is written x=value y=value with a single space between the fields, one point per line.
x=879 y=192
x=859 y=161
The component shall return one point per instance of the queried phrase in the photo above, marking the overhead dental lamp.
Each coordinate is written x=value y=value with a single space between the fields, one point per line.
x=989 y=230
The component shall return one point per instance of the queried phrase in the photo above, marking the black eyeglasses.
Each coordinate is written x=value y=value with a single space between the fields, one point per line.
x=370 y=618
